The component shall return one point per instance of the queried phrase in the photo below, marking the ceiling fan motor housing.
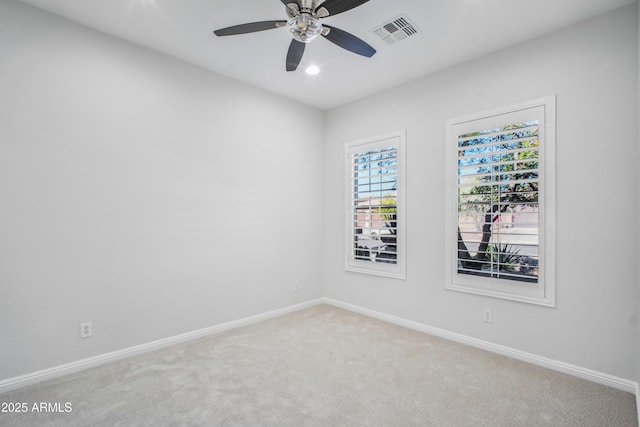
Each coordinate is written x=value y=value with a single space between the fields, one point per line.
x=302 y=6
x=302 y=24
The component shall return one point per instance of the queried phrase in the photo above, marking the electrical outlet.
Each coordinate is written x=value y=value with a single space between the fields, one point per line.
x=86 y=330
x=488 y=315
x=296 y=287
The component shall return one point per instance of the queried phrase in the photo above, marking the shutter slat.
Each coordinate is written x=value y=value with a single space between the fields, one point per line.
x=491 y=133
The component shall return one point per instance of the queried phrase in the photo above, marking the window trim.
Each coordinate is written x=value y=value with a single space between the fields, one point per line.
x=544 y=291
x=398 y=270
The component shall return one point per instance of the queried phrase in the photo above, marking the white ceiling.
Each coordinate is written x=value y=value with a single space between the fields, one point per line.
x=451 y=32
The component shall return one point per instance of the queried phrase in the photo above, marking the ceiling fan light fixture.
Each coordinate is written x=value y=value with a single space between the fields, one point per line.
x=304 y=27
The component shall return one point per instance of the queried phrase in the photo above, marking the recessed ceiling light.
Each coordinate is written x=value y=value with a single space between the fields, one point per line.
x=312 y=70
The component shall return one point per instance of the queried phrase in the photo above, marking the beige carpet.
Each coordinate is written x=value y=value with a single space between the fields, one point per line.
x=323 y=367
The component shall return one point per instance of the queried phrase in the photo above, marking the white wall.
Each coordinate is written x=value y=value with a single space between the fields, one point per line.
x=638 y=295
x=143 y=194
x=592 y=67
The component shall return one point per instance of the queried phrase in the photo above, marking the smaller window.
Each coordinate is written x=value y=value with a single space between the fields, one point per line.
x=375 y=222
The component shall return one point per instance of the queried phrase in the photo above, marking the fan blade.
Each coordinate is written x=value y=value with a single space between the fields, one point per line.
x=335 y=7
x=251 y=27
x=349 y=41
x=294 y=56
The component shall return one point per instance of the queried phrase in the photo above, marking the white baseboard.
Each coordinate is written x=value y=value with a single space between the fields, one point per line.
x=566 y=368
x=69 y=368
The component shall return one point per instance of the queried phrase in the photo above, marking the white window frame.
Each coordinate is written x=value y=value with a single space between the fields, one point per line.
x=543 y=292
x=397 y=270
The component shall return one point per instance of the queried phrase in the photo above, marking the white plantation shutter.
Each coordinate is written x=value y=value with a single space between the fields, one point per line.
x=374 y=201
x=498 y=206
x=375 y=212
x=501 y=201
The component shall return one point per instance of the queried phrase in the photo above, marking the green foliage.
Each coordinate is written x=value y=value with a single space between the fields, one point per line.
x=389 y=208
x=388 y=213
x=504 y=255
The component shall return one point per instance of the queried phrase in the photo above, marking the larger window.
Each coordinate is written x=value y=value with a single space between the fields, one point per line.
x=375 y=211
x=501 y=213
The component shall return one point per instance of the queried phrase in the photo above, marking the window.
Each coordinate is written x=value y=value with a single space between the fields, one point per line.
x=375 y=213
x=501 y=220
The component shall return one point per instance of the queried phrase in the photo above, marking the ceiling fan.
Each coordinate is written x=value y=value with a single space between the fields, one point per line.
x=304 y=25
